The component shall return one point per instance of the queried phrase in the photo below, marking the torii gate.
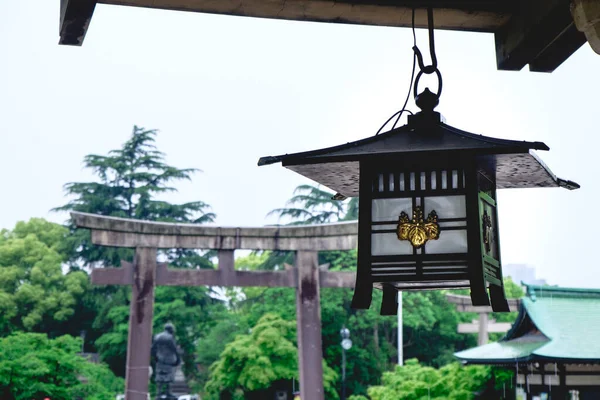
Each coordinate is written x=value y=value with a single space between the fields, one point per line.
x=145 y=273
x=484 y=325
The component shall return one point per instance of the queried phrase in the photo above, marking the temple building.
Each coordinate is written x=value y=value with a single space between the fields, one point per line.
x=553 y=345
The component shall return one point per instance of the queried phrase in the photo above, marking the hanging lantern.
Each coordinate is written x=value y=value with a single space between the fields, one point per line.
x=428 y=214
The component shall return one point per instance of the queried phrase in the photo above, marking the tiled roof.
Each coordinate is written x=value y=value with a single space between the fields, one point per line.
x=554 y=323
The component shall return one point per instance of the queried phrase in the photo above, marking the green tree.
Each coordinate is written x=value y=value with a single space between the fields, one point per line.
x=415 y=382
x=430 y=325
x=430 y=328
x=129 y=180
x=35 y=295
x=254 y=362
x=313 y=205
x=210 y=346
x=33 y=366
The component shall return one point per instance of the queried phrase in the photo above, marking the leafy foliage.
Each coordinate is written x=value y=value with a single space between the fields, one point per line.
x=33 y=366
x=415 y=382
x=429 y=323
x=253 y=362
x=430 y=328
x=35 y=295
x=212 y=344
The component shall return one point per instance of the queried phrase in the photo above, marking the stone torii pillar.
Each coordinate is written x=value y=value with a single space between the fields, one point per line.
x=145 y=273
x=484 y=325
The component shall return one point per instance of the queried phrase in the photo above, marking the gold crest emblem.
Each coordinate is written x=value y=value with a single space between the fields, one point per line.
x=417 y=231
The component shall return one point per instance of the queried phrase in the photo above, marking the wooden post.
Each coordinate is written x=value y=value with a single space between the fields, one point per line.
x=308 y=319
x=140 y=324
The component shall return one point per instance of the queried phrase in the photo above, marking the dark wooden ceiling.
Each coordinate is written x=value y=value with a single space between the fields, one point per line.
x=540 y=33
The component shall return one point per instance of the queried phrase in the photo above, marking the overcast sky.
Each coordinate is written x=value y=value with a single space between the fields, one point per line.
x=224 y=91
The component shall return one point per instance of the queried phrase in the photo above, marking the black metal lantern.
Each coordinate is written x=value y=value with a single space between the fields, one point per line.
x=427 y=214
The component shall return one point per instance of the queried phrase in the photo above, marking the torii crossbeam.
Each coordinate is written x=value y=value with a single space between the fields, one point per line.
x=145 y=273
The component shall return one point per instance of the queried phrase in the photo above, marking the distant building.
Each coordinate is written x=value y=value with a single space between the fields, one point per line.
x=553 y=345
x=522 y=273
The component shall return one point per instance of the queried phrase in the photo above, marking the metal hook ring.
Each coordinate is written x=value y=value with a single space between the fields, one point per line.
x=425 y=71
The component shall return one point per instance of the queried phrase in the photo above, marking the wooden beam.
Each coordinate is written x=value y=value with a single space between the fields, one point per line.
x=324 y=243
x=139 y=339
x=475 y=326
x=209 y=277
x=557 y=52
x=75 y=17
x=114 y=276
x=541 y=33
x=463 y=15
x=119 y=232
x=105 y=223
x=332 y=279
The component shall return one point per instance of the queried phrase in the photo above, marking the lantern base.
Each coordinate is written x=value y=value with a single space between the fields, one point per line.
x=363 y=294
x=498 y=299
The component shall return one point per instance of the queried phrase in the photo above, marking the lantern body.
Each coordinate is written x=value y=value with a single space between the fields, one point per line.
x=427 y=212
x=420 y=227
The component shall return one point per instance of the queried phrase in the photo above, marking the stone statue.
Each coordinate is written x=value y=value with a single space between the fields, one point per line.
x=164 y=350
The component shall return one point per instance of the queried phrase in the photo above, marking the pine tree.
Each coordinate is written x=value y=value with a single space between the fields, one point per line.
x=129 y=180
x=311 y=205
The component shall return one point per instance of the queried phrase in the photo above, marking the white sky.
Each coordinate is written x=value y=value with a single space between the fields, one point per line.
x=226 y=90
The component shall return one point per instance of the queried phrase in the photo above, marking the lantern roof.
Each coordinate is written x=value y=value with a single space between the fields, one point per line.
x=427 y=135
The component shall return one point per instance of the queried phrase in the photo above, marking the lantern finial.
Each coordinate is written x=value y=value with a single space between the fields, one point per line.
x=427 y=100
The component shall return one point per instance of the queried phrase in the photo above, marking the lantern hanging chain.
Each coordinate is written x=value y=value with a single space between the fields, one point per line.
x=412 y=77
x=429 y=69
x=412 y=74
x=433 y=67
x=423 y=69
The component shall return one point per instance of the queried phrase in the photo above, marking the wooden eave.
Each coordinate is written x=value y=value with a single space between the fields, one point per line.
x=540 y=33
